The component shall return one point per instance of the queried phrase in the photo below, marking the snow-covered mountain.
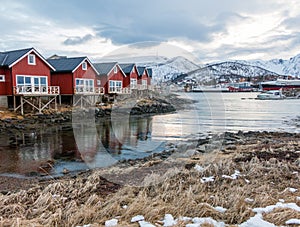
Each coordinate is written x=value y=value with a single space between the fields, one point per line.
x=169 y=69
x=229 y=71
x=165 y=69
x=283 y=67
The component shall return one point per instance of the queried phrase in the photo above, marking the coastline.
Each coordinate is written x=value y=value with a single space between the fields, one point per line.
x=237 y=171
x=222 y=176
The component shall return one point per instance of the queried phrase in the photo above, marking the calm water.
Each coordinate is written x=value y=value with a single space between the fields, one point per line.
x=85 y=144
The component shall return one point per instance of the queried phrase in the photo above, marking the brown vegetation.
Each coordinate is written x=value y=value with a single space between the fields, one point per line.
x=174 y=188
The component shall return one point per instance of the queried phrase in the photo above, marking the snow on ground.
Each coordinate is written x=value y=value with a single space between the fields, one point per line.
x=255 y=221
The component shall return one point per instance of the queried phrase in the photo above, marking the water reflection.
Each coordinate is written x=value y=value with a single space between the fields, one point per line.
x=76 y=146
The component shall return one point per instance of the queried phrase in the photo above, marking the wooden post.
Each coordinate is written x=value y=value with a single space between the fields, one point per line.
x=40 y=104
x=55 y=103
x=22 y=106
x=15 y=105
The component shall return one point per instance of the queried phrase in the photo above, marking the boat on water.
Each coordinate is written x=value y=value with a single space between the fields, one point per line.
x=280 y=83
x=271 y=95
x=241 y=87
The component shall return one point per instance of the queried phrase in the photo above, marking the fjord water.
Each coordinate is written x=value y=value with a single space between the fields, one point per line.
x=80 y=145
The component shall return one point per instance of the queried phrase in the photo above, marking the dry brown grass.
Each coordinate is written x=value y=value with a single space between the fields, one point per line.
x=79 y=201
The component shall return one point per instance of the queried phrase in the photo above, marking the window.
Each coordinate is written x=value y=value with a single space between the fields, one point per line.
x=84 y=85
x=2 y=78
x=31 y=84
x=84 y=66
x=144 y=84
x=31 y=59
x=98 y=82
x=115 y=69
x=133 y=83
x=115 y=86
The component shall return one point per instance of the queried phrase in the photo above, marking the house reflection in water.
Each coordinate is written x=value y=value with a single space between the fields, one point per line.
x=35 y=151
x=120 y=134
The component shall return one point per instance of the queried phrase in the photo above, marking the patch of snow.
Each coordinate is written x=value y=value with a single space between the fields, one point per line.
x=199 y=168
x=111 y=223
x=125 y=207
x=207 y=179
x=256 y=221
x=220 y=209
x=200 y=221
x=292 y=190
x=145 y=224
x=169 y=220
x=281 y=200
x=137 y=218
x=247 y=181
x=233 y=176
x=248 y=200
x=298 y=198
x=270 y=208
x=293 y=222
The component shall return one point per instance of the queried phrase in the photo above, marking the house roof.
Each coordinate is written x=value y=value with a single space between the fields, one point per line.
x=104 y=68
x=141 y=70
x=9 y=58
x=127 y=68
x=150 y=72
x=64 y=64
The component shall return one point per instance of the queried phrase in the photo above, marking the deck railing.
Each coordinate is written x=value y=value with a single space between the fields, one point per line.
x=126 y=90
x=36 y=90
x=89 y=90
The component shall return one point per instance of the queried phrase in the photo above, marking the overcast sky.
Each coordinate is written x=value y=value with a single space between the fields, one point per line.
x=210 y=30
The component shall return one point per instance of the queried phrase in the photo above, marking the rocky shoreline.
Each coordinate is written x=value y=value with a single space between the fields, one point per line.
x=238 y=171
x=143 y=106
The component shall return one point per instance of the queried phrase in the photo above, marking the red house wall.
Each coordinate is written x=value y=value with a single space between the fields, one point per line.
x=114 y=76
x=134 y=75
x=67 y=81
x=23 y=68
x=5 y=87
x=64 y=81
x=86 y=74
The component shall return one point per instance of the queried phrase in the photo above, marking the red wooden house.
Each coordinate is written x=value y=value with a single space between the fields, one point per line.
x=24 y=73
x=113 y=79
x=149 y=79
x=132 y=74
x=77 y=77
x=142 y=78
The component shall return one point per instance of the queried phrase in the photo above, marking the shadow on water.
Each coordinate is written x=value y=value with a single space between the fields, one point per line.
x=52 y=150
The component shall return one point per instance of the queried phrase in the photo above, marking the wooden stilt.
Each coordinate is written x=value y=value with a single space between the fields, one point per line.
x=40 y=104
x=22 y=106
x=15 y=104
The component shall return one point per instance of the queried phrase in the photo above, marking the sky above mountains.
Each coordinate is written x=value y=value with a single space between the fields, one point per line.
x=205 y=30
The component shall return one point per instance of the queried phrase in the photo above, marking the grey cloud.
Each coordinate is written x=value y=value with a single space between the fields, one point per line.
x=292 y=23
x=77 y=40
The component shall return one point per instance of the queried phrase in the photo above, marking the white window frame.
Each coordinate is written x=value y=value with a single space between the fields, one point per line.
x=2 y=78
x=84 y=85
x=29 y=84
x=84 y=65
x=144 y=84
x=98 y=82
x=115 y=86
x=33 y=62
x=115 y=70
x=133 y=83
